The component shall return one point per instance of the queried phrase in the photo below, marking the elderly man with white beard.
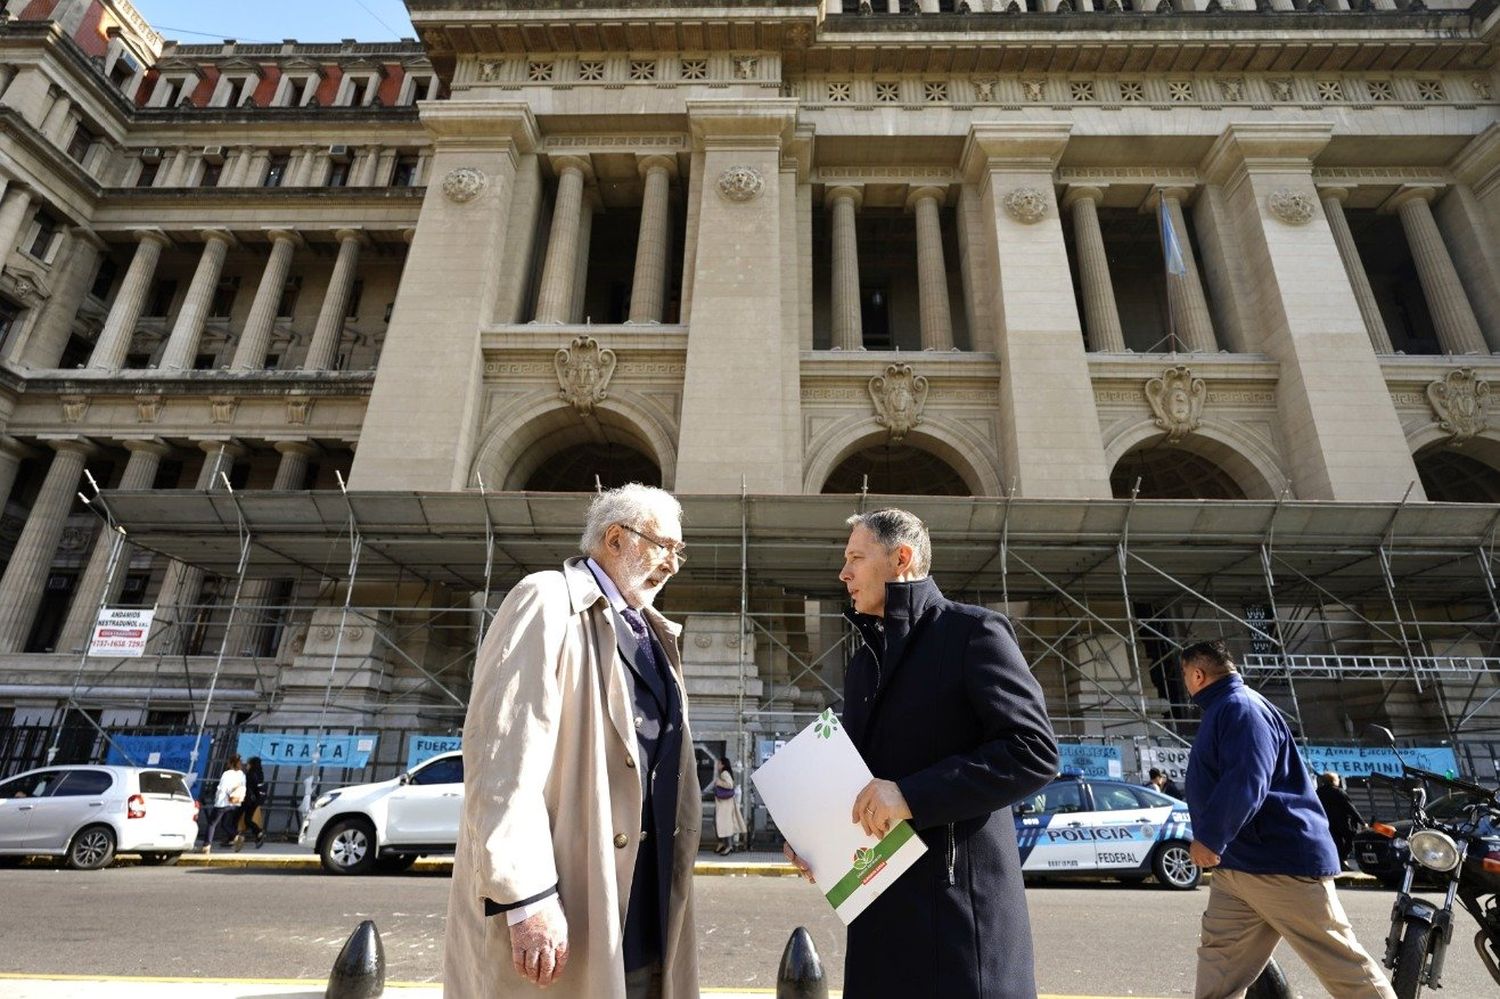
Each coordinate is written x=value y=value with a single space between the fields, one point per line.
x=581 y=802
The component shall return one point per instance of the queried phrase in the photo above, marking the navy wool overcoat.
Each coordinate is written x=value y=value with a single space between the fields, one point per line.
x=940 y=701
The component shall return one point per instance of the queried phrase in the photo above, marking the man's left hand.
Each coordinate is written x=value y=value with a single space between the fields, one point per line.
x=879 y=806
x=1203 y=856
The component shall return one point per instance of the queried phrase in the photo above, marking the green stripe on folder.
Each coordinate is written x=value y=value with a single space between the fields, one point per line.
x=881 y=853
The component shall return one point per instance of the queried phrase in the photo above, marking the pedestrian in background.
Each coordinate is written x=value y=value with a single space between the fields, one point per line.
x=228 y=797
x=251 y=817
x=1344 y=819
x=728 y=821
x=1258 y=825
x=1161 y=782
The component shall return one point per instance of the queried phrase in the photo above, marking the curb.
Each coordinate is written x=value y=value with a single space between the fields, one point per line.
x=310 y=862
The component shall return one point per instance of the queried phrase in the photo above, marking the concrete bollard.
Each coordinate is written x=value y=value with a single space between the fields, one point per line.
x=359 y=970
x=801 y=974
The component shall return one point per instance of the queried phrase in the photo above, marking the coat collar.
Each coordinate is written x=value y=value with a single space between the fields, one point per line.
x=905 y=606
x=584 y=593
x=1218 y=690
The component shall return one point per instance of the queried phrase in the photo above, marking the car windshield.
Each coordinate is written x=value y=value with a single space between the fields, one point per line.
x=163 y=782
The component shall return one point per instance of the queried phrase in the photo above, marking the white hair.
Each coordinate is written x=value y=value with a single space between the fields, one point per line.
x=633 y=505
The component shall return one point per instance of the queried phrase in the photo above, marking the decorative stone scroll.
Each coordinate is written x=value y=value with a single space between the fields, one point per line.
x=900 y=395
x=741 y=183
x=148 y=408
x=73 y=407
x=464 y=184
x=583 y=371
x=1461 y=403
x=1176 y=400
x=298 y=409
x=1026 y=205
x=221 y=409
x=1292 y=207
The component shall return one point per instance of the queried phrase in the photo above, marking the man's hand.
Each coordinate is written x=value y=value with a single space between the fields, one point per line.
x=803 y=871
x=539 y=945
x=879 y=806
x=1203 y=856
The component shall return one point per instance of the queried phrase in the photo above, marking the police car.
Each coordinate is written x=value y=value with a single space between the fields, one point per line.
x=1081 y=826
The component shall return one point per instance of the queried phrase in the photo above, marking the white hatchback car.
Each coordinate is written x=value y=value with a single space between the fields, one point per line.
x=87 y=814
x=387 y=825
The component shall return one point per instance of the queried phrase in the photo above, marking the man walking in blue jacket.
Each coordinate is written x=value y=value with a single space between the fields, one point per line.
x=1259 y=826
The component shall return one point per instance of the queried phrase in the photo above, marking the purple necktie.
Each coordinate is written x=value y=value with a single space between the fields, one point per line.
x=642 y=635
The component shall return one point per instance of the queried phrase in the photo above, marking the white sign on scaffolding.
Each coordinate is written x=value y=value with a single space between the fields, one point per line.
x=121 y=632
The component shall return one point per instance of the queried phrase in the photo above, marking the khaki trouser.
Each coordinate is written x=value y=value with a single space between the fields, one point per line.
x=1248 y=913
x=645 y=983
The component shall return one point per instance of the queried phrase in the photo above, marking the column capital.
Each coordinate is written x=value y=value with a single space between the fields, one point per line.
x=854 y=194
x=1083 y=192
x=220 y=235
x=152 y=236
x=148 y=445
x=86 y=235
x=584 y=164
x=933 y=191
x=16 y=448
x=408 y=234
x=306 y=449
x=656 y=161
x=1283 y=146
x=1022 y=147
x=351 y=234
x=285 y=235
x=1181 y=195
x=231 y=446
x=732 y=124
x=1406 y=193
x=69 y=444
x=1333 y=192
x=482 y=125
x=1478 y=163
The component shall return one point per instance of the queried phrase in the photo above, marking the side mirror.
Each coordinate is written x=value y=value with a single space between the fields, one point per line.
x=404 y=779
x=1024 y=808
x=1382 y=735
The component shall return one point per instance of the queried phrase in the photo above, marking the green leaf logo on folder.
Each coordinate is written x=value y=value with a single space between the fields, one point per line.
x=809 y=786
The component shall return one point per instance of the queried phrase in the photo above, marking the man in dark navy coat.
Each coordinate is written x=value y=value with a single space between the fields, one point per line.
x=944 y=710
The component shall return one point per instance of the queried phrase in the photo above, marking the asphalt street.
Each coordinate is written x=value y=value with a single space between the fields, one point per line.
x=1093 y=939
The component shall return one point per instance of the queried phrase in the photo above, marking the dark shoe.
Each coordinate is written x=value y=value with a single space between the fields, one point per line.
x=260 y=839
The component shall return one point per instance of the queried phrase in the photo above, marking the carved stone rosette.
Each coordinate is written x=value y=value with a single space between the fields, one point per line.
x=464 y=184
x=1461 y=403
x=1292 y=207
x=741 y=183
x=1026 y=205
x=900 y=395
x=1176 y=400
x=583 y=372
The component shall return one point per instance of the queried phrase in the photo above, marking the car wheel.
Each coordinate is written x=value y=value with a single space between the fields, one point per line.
x=11 y=860
x=91 y=849
x=160 y=859
x=1174 y=868
x=395 y=863
x=349 y=847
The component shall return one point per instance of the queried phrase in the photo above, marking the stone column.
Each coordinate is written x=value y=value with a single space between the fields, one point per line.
x=96 y=585
x=932 y=271
x=15 y=208
x=1190 y=318
x=363 y=173
x=330 y=328
x=1333 y=207
x=385 y=165
x=119 y=327
x=1101 y=314
x=176 y=601
x=54 y=323
x=12 y=453
x=255 y=171
x=1452 y=316
x=182 y=345
x=591 y=206
x=56 y=123
x=256 y=593
x=302 y=173
x=554 y=300
x=648 y=289
x=26 y=574
x=848 y=323
x=250 y=355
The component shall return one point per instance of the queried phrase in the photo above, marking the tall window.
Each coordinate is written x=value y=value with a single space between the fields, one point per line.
x=338 y=174
x=405 y=174
x=276 y=170
x=147 y=176
x=288 y=304
x=161 y=297
x=104 y=279
x=224 y=296
x=44 y=234
x=211 y=174
x=81 y=142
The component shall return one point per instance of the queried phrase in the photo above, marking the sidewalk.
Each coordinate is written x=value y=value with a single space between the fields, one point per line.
x=85 y=987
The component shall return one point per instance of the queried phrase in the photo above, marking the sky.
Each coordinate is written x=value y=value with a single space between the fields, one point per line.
x=197 y=21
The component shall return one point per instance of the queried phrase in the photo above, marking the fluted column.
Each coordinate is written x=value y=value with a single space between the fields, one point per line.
x=252 y=617
x=1190 y=316
x=54 y=323
x=119 y=327
x=1452 y=315
x=848 y=324
x=1364 y=295
x=177 y=599
x=182 y=345
x=96 y=586
x=26 y=574
x=57 y=119
x=648 y=289
x=1101 y=314
x=330 y=328
x=932 y=272
x=14 y=208
x=302 y=172
x=250 y=355
x=12 y=453
x=363 y=173
x=554 y=300
x=591 y=206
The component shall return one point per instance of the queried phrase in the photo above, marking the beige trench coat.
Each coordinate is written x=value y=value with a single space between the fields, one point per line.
x=552 y=796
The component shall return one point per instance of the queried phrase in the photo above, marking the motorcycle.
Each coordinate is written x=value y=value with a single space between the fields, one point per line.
x=1461 y=844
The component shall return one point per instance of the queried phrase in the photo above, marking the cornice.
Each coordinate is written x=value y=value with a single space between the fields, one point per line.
x=16 y=129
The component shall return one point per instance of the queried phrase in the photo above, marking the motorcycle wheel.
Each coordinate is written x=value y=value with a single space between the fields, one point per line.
x=1410 y=960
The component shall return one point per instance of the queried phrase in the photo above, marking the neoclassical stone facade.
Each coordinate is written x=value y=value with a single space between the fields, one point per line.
x=778 y=249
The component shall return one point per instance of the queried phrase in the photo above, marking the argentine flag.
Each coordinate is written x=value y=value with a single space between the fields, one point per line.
x=1171 y=245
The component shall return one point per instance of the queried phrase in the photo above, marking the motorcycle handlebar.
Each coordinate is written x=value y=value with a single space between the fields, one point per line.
x=1453 y=782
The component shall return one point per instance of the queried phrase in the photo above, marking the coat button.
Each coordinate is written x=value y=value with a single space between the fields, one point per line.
x=640 y=721
x=629 y=762
x=621 y=841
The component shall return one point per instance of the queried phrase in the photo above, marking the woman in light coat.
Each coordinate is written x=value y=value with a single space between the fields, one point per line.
x=728 y=822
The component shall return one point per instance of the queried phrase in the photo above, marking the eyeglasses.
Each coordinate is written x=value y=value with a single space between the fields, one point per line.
x=677 y=548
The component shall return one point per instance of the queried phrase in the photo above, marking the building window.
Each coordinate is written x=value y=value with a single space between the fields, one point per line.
x=338 y=174
x=276 y=170
x=288 y=304
x=147 y=176
x=104 y=279
x=124 y=69
x=161 y=297
x=204 y=362
x=236 y=91
x=8 y=316
x=405 y=174
x=211 y=174
x=358 y=91
x=224 y=295
x=44 y=234
x=81 y=142
x=416 y=88
x=356 y=292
